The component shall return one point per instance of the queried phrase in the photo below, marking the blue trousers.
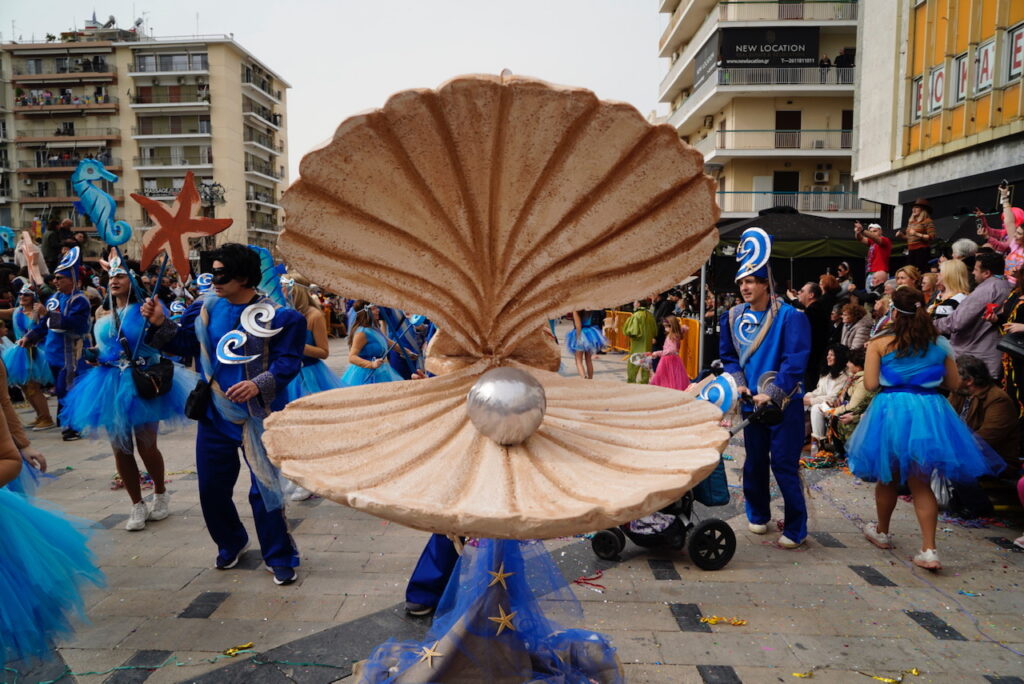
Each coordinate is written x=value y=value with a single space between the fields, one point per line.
x=435 y=566
x=217 y=467
x=778 y=448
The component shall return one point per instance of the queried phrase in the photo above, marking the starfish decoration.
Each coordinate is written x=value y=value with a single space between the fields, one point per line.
x=499 y=576
x=174 y=227
x=505 y=620
x=428 y=653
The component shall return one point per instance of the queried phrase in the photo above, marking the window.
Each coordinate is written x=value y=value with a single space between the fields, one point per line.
x=1015 y=45
x=984 y=68
x=173 y=62
x=199 y=62
x=62 y=65
x=145 y=62
x=936 y=89
x=916 y=91
x=960 y=65
x=33 y=66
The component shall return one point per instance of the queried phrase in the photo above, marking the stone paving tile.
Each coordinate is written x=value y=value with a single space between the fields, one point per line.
x=691 y=648
x=661 y=674
x=215 y=635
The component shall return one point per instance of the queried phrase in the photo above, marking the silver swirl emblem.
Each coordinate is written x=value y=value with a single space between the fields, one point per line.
x=746 y=328
x=177 y=307
x=204 y=281
x=721 y=392
x=230 y=345
x=255 y=315
x=52 y=304
x=753 y=251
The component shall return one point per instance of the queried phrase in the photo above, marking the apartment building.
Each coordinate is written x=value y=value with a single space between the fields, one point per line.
x=942 y=114
x=747 y=86
x=151 y=109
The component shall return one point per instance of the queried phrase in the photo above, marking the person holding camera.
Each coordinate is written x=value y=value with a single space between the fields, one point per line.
x=249 y=349
x=766 y=344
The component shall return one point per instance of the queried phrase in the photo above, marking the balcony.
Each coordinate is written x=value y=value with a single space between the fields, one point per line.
x=263 y=141
x=788 y=11
x=724 y=145
x=158 y=193
x=261 y=224
x=50 y=104
x=722 y=85
x=842 y=204
x=262 y=169
x=185 y=98
x=77 y=135
x=174 y=161
x=5 y=194
x=688 y=15
x=189 y=132
x=86 y=72
x=38 y=198
x=262 y=86
x=143 y=69
x=261 y=114
x=60 y=163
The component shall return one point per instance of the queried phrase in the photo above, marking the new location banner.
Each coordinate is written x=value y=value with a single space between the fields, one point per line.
x=769 y=47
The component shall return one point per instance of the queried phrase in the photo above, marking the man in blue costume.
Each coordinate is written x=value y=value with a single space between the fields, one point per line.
x=248 y=372
x=764 y=335
x=431 y=575
x=68 y=317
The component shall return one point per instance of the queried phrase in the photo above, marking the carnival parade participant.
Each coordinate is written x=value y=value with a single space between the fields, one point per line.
x=585 y=339
x=368 y=350
x=641 y=328
x=763 y=335
x=910 y=431
x=26 y=365
x=33 y=463
x=67 y=316
x=249 y=350
x=671 y=372
x=107 y=395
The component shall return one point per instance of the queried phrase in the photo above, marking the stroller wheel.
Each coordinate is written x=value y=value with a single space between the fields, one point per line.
x=712 y=544
x=607 y=544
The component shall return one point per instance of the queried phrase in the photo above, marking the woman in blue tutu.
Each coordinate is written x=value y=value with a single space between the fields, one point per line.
x=368 y=350
x=33 y=463
x=26 y=365
x=909 y=431
x=105 y=396
x=585 y=339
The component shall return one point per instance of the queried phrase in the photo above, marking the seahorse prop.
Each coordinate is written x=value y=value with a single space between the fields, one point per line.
x=97 y=204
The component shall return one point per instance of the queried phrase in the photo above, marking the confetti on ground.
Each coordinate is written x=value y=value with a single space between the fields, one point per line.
x=715 y=619
x=235 y=650
x=968 y=593
x=892 y=680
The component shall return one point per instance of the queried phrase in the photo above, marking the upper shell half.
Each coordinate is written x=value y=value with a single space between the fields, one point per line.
x=491 y=202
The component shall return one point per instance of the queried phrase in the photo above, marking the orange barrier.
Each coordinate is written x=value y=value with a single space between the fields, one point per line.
x=688 y=347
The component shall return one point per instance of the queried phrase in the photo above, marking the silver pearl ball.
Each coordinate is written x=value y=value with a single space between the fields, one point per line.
x=507 y=405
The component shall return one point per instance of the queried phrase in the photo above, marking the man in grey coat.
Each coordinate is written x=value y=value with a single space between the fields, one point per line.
x=969 y=327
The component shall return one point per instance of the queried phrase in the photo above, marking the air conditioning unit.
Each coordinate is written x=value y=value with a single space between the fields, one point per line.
x=27 y=181
x=821 y=176
x=819 y=144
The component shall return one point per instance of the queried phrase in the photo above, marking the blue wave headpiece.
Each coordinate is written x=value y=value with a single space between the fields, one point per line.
x=68 y=263
x=753 y=253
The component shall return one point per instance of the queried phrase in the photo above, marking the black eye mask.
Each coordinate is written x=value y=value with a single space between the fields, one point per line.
x=221 y=276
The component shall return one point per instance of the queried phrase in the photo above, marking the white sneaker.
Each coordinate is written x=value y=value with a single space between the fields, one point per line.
x=137 y=518
x=757 y=529
x=787 y=543
x=161 y=504
x=879 y=539
x=928 y=559
x=300 y=494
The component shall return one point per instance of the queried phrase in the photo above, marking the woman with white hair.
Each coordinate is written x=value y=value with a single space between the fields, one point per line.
x=953 y=287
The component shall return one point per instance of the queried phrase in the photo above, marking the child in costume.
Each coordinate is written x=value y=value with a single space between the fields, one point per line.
x=910 y=431
x=106 y=396
x=26 y=365
x=671 y=372
x=585 y=339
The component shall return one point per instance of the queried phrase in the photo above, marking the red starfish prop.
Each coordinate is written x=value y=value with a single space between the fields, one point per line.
x=173 y=228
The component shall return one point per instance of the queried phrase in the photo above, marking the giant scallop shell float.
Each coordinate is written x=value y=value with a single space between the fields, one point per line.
x=490 y=205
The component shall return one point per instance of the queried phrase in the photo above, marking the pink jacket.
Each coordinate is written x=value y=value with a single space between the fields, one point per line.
x=1012 y=250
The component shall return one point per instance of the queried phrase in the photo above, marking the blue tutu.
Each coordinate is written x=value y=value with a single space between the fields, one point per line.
x=316 y=377
x=910 y=429
x=24 y=365
x=105 y=397
x=357 y=375
x=44 y=563
x=590 y=340
x=27 y=482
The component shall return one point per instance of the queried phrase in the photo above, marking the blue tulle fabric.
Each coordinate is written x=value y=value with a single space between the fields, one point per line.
x=376 y=346
x=910 y=429
x=538 y=648
x=28 y=480
x=44 y=565
x=27 y=364
x=590 y=339
x=316 y=377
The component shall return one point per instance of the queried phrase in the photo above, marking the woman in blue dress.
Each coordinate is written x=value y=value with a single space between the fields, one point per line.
x=585 y=339
x=105 y=396
x=368 y=350
x=909 y=431
x=26 y=365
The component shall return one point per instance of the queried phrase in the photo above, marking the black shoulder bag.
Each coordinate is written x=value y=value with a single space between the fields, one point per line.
x=151 y=380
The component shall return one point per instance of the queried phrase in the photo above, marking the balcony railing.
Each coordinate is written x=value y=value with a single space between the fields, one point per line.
x=776 y=139
x=202 y=159
x=753 y=202
x=143 y=68
x=264 y=225
x=86 y=67
x=104 y=132
x=262 y=139
x=62 y=163
x=788 y=11
x=183 y=97
x=59 y=100
x=264 y=169
x=265 y=197
x=263 y=85
x=166 y=130
x=249 y=107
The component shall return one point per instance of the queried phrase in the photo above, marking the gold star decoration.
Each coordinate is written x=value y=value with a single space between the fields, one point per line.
x=499 y=577
x=428 y=653
x=503 y=620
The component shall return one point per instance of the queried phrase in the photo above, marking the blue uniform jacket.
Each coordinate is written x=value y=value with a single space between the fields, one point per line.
x=65 y=323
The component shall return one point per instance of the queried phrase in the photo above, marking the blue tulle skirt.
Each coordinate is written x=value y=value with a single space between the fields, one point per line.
x=24 y=365
x=357 y=375
x=105 y=397
x=905 y=433
x=316 y=377
x=44 y=563
x=590 y=339
x=27 y=482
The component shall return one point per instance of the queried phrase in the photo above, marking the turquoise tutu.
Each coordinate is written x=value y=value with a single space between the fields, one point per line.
x=27 y=482
x=25 y=365
x=44 y=564
x=316 y=377
x=357 y=375
x=590 y=340
x=910 y=429
x=105 y=397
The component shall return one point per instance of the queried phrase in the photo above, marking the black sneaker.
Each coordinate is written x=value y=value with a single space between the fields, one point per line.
x=418 y=609
x=283 y=574
x=227 y=561
x=70 y=435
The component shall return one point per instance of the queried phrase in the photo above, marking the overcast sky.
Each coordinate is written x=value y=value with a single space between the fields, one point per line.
x=344 y=56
